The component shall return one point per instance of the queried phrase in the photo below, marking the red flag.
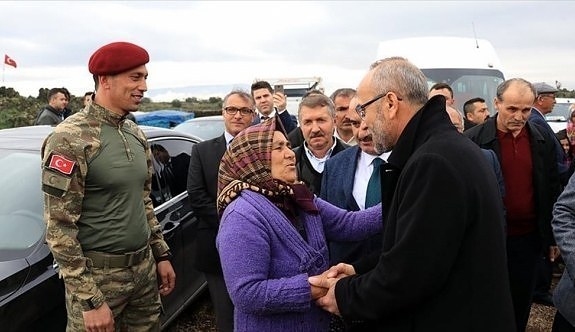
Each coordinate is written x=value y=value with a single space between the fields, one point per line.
x=9 y=61
x=61 y=164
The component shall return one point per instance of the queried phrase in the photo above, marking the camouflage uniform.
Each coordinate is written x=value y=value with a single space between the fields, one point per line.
x=96 y=178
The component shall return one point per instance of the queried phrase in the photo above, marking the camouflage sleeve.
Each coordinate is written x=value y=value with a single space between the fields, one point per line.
x=159 y=246
x=63 y=174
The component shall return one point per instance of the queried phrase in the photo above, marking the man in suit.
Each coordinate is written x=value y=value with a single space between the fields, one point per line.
x=238 y=112
x=345 y=182
x=543 y=105
x=317 y=121
x=268 y=103
x=442 y=263
x=526 y=153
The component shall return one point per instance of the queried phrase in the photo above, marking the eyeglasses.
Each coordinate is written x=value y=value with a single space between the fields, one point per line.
x=230 y=110
x=360 y=109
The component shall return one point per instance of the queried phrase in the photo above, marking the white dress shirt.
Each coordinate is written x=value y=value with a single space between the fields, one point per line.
x=363 y=172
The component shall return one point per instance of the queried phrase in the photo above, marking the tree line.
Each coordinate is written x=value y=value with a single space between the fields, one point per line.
x=19 y=111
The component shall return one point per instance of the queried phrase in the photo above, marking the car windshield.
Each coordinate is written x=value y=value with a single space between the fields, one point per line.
x=204 y=129
x=21 y=211
x=560 y=112
x=467 y=83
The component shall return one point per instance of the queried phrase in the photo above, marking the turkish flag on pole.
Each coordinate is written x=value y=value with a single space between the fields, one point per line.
x=9 y=61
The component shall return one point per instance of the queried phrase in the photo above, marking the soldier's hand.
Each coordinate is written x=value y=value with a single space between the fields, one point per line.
x=99 y=320
x=166 y=277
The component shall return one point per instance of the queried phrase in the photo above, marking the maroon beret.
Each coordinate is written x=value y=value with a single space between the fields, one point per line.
x=116 y=58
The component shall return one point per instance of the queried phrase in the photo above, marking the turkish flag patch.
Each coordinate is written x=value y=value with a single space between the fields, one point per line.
x=61 y=164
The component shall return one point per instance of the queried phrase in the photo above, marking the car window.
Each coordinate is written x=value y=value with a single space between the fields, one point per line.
x=170 y=158
x=205 y=129
x=21 y=211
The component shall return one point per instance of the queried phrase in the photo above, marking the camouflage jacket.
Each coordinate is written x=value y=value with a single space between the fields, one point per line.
x=72 y=217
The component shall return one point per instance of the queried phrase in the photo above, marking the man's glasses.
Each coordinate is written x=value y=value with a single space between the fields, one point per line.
x=360 y=109
x=230 y=110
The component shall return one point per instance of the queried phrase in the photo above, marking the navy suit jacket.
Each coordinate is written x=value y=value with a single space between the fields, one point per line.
x=289 y=122
x=562 y=166
x=337 y=188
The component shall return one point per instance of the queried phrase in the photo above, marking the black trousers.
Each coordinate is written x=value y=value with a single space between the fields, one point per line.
x=523 y=255
x=223 y=306
x=560 y=324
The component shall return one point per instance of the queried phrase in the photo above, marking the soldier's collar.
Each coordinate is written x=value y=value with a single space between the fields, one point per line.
x=105 y=115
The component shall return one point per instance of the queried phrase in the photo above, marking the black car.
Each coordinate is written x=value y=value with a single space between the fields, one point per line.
x=31 y=293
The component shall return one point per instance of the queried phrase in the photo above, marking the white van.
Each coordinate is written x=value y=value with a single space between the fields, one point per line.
x=558 y=118
x=470 y=66
x=294 y=88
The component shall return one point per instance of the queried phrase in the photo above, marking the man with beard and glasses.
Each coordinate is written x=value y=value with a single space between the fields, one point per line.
x=442 y=262
x=526 y=153
x=317 y=121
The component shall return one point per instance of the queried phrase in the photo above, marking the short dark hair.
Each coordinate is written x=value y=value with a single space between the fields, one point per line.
x=441 y=86
x=261 y=85
x=468 y=106
x=55 y=91
x=346 y=92
x=561 y=134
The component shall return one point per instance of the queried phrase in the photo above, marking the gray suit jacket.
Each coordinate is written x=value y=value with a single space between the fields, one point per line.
x=564 y=231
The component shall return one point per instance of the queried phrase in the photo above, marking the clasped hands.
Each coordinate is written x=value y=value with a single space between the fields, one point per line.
x=323 y=286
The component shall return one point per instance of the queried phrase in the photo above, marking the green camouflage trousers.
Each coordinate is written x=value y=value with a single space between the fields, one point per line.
x=131 y=293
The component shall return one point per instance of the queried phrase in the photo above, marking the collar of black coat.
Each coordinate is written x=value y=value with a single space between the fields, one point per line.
x=432 y=119
x=486 y=133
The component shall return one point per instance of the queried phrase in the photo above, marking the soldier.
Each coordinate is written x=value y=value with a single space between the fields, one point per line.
x=101 y=226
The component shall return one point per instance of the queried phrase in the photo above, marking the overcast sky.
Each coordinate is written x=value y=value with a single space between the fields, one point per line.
x=195 y=43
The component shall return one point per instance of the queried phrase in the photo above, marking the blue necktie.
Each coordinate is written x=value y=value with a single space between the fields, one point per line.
x=373 y=194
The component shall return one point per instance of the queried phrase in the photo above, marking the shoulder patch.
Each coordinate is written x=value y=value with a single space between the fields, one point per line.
x=61 y=164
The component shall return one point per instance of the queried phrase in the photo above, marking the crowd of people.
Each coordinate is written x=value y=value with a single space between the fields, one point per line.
x=378 y=208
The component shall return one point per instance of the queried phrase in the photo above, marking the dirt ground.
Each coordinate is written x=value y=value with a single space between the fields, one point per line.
x=199 y=317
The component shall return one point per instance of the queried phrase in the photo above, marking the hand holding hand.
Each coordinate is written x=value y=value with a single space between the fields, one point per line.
x=340 y=270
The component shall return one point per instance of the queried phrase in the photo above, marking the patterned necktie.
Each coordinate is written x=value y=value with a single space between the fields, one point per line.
x=373 y=194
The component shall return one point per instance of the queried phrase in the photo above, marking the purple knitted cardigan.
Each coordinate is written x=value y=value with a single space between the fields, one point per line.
x=266 y=262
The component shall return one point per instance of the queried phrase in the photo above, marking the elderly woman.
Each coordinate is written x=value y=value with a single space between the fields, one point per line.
x=273 y=233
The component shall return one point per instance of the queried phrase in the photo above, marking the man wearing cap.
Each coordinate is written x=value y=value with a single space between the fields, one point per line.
x=101 y=227
x=543 y=105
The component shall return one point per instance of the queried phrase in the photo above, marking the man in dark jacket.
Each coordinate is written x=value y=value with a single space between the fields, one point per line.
x=317 y=121
x=442 y=265
x=526 y=153
x=238 y=112
x=53 y=113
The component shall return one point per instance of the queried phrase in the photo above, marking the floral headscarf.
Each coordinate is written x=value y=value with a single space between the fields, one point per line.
x=247 y=165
